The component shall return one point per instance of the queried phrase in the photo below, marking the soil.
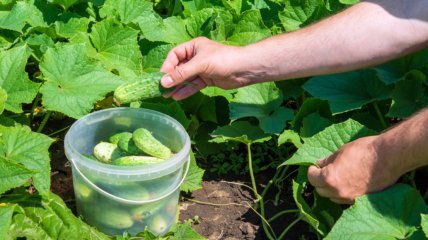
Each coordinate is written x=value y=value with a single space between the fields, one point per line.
x=220 y=209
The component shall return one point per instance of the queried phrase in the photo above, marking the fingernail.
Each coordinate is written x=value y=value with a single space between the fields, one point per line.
x=167 y=81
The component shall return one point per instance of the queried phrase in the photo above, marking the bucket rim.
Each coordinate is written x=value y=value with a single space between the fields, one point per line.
x=174 y=162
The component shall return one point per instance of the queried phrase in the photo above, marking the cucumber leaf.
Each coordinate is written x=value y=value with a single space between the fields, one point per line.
x=117 y=48
x=408 y=97
x=391 y=214
x=348 y=91
x=30 y=149
x=193 y=180
x=262 y=101
x=14 y=80
x=424 y=224
x=328 y=141
x=6 y=212
x=239 y=131
x=74 y=82
x=126 y=10
x=46 y=217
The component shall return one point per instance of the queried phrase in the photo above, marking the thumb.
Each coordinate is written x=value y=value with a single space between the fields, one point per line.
x=181 y=73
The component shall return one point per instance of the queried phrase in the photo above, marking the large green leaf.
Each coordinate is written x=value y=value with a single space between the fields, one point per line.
x=249 y=29
x=21 y=145
x=193 y=180
x=391 y=214
x=327 y=142
x=70 y=24
x=215 y=92
x=407 y=97
x=313 y=124
x=262 y=101
x=348 y=91
x=155 y=57
x=3 y=98
x=201 y=106
x=424 y=224
x=12 y=174
x=290 y=136
x=201 y=23
x=74 y=82
x=239 y=131
x=298 y=13
x=309 y=106
x=14 y=80
x=398 y=69
x=6 y=212
x=22 y=12
x=47 y=218
x=169 y=30
x=127 y=10
x=117 y=48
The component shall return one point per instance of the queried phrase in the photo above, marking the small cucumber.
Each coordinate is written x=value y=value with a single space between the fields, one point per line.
x=114 y=218
x=116 y=137
x=145 y=211
x=105 y=152
x=127 y=144
x=146 y=87
x=83 y=191
x=145 y=141
x=158 y=224
x=136 y=160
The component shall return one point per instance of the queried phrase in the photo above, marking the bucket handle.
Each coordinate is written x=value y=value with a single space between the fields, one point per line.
x=128 y=201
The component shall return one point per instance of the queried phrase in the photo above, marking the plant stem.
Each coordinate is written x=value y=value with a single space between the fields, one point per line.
x=250 y=167
x=379 y=115
x=282 y=213
x=44 y=121
x=289 y=227
x=258 y=197
x=61 y=130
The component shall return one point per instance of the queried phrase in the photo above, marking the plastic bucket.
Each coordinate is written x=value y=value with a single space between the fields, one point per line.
x=118 y=198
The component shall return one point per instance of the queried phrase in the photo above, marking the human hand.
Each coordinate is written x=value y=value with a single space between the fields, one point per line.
x=359 y=167
x=201 y=62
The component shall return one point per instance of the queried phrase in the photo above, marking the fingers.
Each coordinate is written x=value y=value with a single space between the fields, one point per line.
x=316 y=177
x=177 y=55
x=188 y=89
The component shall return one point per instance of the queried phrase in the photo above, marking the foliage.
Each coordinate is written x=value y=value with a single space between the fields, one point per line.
x=63 y=58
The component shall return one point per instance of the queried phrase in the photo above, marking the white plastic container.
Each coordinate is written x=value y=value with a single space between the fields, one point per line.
x=118 y=198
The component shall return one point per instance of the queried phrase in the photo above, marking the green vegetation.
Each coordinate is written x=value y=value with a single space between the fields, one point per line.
x=62 y=59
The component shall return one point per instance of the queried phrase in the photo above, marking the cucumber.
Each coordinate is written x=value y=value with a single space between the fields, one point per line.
x=105 y=152
x=116 y=137
x=144 y=212
x=145 y=141
x=82 y=191
x=136 y=160
x=146 y=87
x=127 y=144
x=158 y=224
x=114 y=218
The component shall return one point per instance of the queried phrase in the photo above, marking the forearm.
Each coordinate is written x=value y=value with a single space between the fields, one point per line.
x=406 y=145
x=363 y=35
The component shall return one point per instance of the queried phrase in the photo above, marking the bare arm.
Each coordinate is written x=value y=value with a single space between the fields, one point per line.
x=363 y=35
x=366 y=34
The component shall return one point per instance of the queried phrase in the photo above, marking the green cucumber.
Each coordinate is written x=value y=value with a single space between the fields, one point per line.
x=136 y=160
x=116 y=137
x=127 y=144
x=158 y=224
x=145 y=141
x=105 y=152
x=145 y=211
x=147 y=87
x=114 y=218
x=83 y=191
